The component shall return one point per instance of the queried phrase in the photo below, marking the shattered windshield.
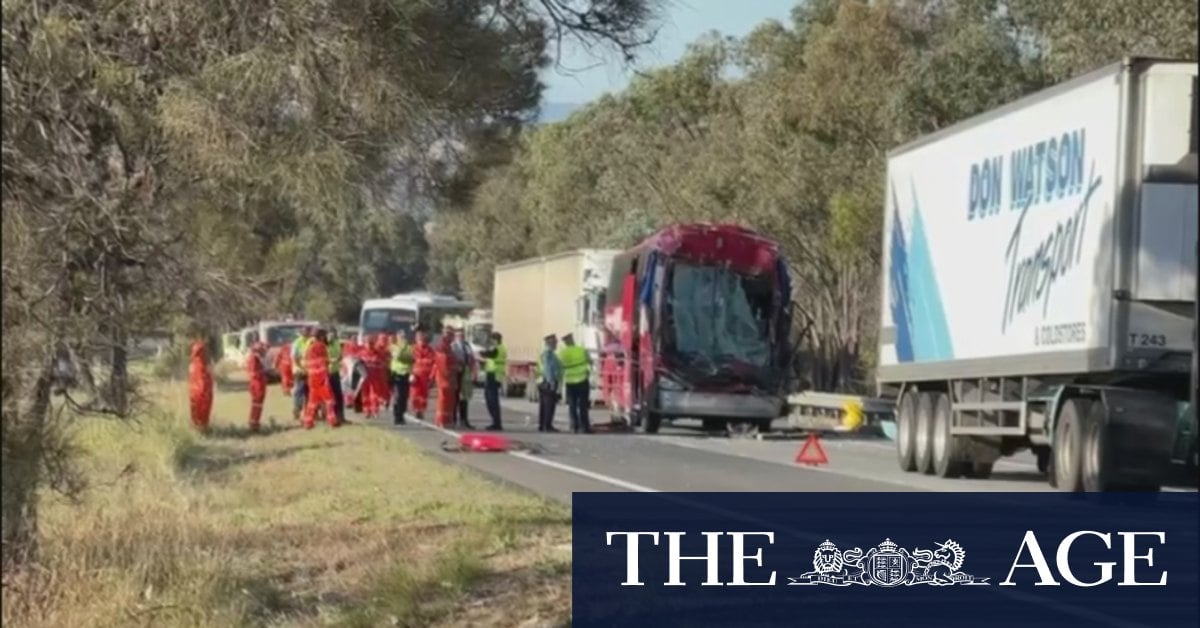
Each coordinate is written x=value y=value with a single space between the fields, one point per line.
x=717 y=316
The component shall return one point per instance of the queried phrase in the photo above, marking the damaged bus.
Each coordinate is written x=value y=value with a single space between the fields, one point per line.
x=697 y=319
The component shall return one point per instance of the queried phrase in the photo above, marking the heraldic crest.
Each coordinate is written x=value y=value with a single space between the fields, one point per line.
x=888 y=565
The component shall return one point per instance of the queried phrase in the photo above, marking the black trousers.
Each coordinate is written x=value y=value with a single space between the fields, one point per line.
x=339 y=400
x=547 y=404
x=491 y=397
x=399 y=398
x=459 y=416
x=578 y=403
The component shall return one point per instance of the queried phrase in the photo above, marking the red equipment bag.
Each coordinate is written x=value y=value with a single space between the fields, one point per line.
x=483 y=443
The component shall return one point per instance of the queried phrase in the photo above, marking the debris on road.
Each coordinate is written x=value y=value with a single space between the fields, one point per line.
x=487 y=443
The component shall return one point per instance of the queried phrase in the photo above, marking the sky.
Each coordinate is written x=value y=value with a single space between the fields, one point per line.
x=582 y=75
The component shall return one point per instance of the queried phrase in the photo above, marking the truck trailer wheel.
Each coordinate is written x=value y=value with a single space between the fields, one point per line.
x=1068 y=444
x=923 y=445
x=945 y=455
x=906 y=432
x=1096 y=456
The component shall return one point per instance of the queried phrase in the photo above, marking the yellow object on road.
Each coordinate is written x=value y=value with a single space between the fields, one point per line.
x=853 y=419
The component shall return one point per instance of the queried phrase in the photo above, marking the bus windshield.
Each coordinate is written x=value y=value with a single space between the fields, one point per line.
x=717 y=316
x=432 y=319
x=403 y=320
x=388 y=321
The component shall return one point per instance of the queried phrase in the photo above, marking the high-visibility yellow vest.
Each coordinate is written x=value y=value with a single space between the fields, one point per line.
x=299 y=352
x=335 y=355
x=402 y=358
x=497 y=365
x=574 y=364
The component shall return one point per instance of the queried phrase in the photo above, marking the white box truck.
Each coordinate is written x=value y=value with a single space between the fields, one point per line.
x=556 y=294
x=1039 y=282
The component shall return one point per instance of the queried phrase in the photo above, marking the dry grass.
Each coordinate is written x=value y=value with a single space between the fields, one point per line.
x=348 y=527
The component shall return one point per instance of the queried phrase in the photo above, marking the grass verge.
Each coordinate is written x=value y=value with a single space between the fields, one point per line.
x=349 y=527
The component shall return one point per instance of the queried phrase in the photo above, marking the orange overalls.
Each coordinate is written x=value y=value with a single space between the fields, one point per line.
x=316 y=363
x=422 y=372
x=258 y=385
x=283 y=365
x=373 y=390
x=200 y=387
x=383 y=354
x=445 y=373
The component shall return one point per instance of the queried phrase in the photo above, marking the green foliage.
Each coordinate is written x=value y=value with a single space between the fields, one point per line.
x=795 y=145
x=210 y=162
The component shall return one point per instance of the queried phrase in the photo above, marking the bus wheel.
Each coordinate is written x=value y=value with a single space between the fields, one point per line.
x=648 y=422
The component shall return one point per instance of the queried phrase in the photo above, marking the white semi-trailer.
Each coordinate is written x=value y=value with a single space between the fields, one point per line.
x=556 y=294
x=1039 y=281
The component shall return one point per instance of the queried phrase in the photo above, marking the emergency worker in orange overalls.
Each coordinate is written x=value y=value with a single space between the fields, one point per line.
x=383 y=355
x=257 y=369
x=376 y=375
x=283 y=366
x=422 y=374
x=316 y=366
x=446 y=374
x=200 y=386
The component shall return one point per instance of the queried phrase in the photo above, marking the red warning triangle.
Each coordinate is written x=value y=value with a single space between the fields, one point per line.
x=811 y=452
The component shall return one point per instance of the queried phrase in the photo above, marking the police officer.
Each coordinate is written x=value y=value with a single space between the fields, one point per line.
x=495 y=368
x=299 y=350
x=577 y=370
x=401 y=368
x=550 y=380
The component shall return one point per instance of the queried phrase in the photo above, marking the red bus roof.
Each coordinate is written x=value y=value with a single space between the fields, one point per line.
x=704 y=243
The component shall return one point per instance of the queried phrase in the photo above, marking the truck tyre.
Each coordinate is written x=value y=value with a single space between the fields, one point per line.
x=906 y=431
x=1068 y=443
x=923 y=439
x=944 y=446
x=1096 y=458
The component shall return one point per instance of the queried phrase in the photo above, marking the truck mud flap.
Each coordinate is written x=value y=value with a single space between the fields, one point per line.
x=1142 y=429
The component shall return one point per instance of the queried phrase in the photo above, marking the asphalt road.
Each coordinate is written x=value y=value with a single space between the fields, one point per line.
x=685 y=459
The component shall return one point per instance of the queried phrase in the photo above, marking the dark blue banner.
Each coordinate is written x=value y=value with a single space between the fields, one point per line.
x=886 y=559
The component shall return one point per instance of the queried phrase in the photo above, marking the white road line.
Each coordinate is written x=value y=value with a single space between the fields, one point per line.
x=1082 y=613
x=592 y=475
x=849 y=474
